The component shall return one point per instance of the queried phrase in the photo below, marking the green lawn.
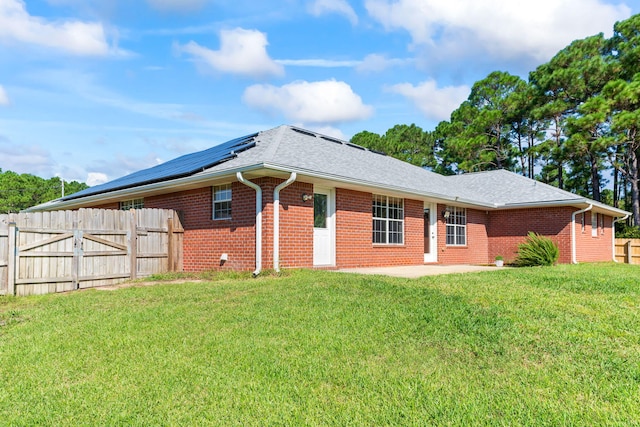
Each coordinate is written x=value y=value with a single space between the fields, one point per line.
x=538 y=346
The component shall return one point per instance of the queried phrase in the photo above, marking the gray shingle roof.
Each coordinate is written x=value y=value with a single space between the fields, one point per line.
x=293 y=149
x=307 y=152
x=501 y=187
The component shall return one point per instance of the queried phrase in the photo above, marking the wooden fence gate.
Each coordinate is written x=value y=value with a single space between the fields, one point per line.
x=628 y=251
x=45 y=252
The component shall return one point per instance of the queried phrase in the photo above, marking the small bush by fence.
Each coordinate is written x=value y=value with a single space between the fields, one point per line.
x=45 y=252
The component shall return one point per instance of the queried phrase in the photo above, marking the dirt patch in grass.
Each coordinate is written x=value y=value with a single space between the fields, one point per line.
x=143 y=284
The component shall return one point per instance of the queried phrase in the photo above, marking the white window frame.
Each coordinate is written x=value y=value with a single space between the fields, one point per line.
x=126 y=205
x=221 y=195
x=456 y=226
x=594 y=224
x=388 y=220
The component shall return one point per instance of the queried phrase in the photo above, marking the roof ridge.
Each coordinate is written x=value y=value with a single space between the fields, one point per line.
x=273 y=143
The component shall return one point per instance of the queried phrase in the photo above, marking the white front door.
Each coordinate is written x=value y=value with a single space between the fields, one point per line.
x=323 y=227
x=430 y=233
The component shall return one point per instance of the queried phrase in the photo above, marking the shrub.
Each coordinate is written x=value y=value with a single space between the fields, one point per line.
x=624 y=231
x=537 y=250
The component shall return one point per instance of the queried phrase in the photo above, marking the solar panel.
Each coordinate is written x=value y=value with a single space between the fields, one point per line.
x=304 y=132
x=328 y=138
x=180 y=167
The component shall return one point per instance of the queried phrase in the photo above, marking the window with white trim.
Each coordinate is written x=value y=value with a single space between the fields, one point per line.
x=388 y=220
x=456 y=221
x=125 y=205
x=594 y=224
x=222 y=201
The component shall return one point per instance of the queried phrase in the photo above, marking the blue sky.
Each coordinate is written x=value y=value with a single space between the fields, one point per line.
x=91 y=90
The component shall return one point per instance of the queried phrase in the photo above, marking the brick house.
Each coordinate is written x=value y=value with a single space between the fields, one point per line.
x=288 y=197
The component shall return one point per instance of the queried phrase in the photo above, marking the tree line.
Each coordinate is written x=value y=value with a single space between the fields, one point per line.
x=574 y=124
x=21 y=191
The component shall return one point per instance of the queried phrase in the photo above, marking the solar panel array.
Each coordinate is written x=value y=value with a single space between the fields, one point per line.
x=180 y=167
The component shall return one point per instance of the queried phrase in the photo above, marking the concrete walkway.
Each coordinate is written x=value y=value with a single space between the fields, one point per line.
x=415 y=271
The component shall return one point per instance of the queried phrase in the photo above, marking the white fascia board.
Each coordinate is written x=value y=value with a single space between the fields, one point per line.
x=578 y=203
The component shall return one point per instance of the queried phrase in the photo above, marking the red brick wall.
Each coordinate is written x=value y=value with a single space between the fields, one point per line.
x=488 y=234
x=354 y=246
x=509 y=228
x=589 y=248
x=476 y=250
x=113 y=205
x=296 y=224
x=205 y=239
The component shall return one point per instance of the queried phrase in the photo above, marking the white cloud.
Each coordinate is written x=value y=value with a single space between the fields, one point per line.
x=436 y=103
x=341 y=7
x=95 y=178
x=328 y=131
x=324 y=102
x=241 y=52
x=504 y=28
x=177 y=5
x=376 y=63
x=23 y=158
x=71 y=36
x=4 y=98
x=320 y=63
x=371 y=63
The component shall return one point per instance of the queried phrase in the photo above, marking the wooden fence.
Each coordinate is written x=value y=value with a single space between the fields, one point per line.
x=628 y=251
x=45 y=252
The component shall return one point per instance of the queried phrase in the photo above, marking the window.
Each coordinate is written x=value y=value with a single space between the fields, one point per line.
x=222 y=201
x=388 y=220
x=132 y=204
x=601 y=223
x=319 y=210
x=583 y=221
x=456 y=226
x=594 y=224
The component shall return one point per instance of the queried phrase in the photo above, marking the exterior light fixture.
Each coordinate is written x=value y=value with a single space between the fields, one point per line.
x=446 y=213
x=306 y=197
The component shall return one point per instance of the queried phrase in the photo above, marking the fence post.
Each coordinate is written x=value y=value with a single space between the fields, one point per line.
x=629 y=259
x=133 y=244
x=171 y=245
x=11 y=261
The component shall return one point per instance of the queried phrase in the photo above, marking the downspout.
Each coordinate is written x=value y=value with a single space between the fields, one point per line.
x=613 y=236
x=573 y=232
x=276 y=220
x=258 y=221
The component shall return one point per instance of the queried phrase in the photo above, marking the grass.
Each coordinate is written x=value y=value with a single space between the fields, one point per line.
x=531 y=346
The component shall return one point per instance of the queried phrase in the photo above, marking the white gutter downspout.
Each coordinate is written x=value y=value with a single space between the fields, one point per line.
x=613 y=236
x=573 y=232
x=258 y=221
x=276 y=220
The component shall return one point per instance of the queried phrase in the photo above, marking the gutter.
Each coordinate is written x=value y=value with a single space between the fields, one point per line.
x=613 y=235
x=573 y=232
x=276 y=220
x=258 y=221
